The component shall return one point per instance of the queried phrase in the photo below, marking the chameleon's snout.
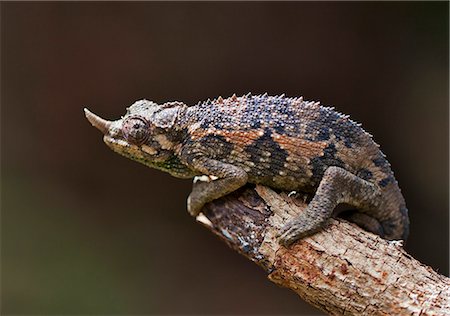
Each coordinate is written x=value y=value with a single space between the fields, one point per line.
x=101 y=124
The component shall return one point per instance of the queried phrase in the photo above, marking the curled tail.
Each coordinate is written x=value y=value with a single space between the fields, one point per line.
x=393 y=214
x=390 y=220
x=395 y=221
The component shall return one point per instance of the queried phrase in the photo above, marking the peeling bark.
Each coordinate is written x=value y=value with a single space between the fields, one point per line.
x=342 y=270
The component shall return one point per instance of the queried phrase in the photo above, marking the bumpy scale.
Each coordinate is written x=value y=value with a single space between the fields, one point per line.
x=284 y=143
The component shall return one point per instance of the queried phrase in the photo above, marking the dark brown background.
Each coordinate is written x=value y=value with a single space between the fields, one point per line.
x=85 y=231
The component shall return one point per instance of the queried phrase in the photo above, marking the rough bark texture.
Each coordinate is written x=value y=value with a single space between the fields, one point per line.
x=343 y=270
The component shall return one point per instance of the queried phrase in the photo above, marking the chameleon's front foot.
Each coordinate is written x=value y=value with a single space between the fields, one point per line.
x=199 y=197
x=221 y=179
x=193 y=206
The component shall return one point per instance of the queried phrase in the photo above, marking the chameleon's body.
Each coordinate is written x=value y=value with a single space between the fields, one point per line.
x=284 y=143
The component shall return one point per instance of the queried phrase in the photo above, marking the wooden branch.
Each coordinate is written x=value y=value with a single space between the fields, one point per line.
x=342 y=270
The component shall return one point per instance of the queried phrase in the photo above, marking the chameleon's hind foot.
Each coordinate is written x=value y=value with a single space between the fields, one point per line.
x=292 y=232
x=301 y=226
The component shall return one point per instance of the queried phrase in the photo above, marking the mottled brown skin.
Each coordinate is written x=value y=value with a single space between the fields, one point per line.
x=285 y=143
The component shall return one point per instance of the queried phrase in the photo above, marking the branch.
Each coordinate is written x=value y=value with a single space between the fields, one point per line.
x=342 y=270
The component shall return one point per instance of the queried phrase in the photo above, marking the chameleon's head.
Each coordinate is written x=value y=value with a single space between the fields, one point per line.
x=148 y=133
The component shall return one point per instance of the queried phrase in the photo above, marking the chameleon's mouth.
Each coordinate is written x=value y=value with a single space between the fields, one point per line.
x=101 y=124
x=113 y=141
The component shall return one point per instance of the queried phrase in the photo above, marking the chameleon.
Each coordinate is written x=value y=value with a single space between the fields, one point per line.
x=286 y=143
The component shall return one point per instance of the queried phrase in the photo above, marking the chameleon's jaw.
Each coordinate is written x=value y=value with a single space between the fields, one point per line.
x=101 y=124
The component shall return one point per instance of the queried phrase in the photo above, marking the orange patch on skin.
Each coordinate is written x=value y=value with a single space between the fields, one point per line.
x=300 y=147
x=236 y=137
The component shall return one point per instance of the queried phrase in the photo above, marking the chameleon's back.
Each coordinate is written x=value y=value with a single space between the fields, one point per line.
x=288 y=143
x=285 y=142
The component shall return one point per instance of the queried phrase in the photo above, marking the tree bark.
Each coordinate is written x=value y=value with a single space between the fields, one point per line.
x=342 y=270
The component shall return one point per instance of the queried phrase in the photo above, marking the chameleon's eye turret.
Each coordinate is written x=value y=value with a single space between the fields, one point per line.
x=136 y=130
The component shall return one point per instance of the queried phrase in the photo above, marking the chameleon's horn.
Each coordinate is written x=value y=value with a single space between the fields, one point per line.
x=98 y=122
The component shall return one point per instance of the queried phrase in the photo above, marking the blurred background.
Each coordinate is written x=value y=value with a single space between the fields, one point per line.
x=85 y=231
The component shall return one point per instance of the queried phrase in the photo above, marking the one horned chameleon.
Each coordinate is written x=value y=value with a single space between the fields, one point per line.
x=281 y=142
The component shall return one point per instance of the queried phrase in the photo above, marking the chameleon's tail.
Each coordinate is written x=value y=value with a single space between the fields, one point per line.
x=395 y=220
x=389 y=220
x=392 y=213
x=405 y=222
x=397 y=227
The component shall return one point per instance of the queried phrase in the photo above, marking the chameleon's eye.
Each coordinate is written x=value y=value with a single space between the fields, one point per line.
x=135 y=129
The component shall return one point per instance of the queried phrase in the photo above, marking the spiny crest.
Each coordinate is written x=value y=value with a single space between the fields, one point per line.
x=292 y=101
x=343 y=116
x=233 y=100
x=297 y=101
x=206 y=103
x=312 y=104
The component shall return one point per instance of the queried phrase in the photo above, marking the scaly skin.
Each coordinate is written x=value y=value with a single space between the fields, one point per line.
x=285 y=143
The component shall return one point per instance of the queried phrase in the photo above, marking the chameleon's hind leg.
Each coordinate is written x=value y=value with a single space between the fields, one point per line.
x=337 y=186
